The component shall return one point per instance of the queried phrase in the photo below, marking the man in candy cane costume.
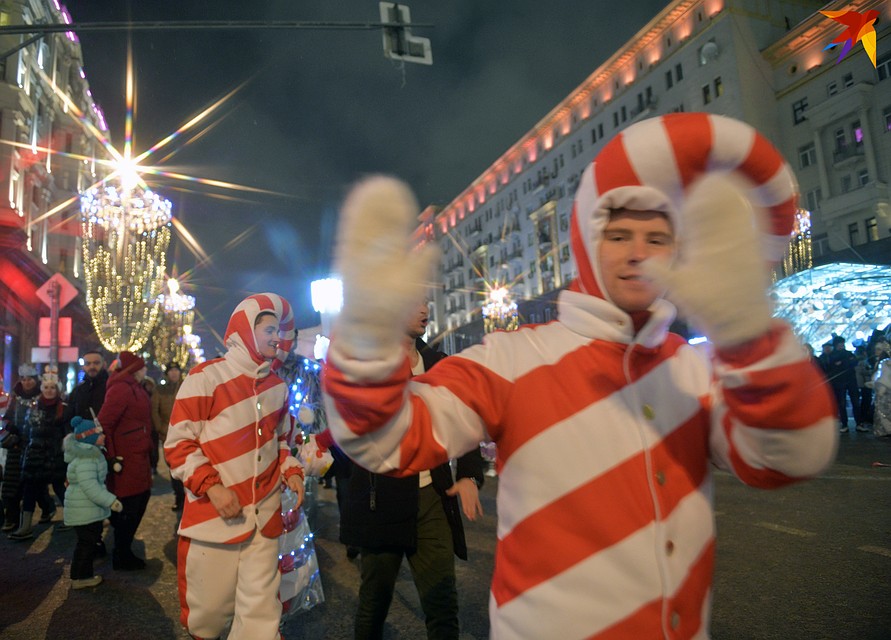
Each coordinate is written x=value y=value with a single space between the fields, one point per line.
x=227 y=442
x=607 y=425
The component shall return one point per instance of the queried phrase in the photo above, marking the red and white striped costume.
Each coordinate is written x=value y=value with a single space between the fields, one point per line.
x=606 y=434
x=229 y=425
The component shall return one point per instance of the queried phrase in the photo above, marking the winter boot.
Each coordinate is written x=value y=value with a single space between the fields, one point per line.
x=84 y=583
x=24 y=531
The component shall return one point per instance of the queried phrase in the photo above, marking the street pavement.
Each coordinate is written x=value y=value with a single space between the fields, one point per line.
x=807 y=562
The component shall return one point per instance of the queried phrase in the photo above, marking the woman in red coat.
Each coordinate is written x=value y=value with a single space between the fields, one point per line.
x=126 y=419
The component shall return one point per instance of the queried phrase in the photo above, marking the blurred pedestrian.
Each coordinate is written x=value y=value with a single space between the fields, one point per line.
x=228 y=442
x=126 y=420
x=13 y=439
x=87 y=502
x=148 y=383
x=43 y=462
x=162 y=406
x=607 y=425
x=843 y=379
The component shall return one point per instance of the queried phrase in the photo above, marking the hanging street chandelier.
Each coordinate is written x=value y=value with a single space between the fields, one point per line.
x=175 y=323
x=126 y=232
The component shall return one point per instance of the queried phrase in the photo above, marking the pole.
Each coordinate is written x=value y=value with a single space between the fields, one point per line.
x=54 y=323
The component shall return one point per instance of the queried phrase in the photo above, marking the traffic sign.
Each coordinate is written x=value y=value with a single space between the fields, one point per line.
x=67 y=291
x=42 y=354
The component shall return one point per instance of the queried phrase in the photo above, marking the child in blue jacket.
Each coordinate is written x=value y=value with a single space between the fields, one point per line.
x=87 y=501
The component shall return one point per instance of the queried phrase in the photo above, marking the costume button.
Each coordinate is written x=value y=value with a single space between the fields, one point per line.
x=257 y=511
x=669 y=547
x=259 y=458
x=648 y=412
x=675 y=620
x=660 y=477
x=257 y=484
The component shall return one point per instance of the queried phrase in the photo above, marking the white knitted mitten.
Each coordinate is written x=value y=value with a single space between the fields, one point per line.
x=383 y=278
x=720 y=282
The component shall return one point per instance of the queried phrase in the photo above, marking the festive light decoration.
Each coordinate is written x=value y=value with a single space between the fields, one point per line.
x=125 y=237
x=174 y=324
x=849 y=300
x=500 y=312
x=799 y=254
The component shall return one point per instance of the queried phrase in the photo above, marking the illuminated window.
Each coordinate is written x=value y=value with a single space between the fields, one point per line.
x=872 y=230
x=798 y=109
x=807 y=156
x=857 y=132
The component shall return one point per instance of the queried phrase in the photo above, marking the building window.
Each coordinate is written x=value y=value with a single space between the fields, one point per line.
x=857 y=132
x=813 y=198
x=678 y=72
x=840 y=140
x=886 y=118
x=848 y=80
x=798 y=109
x=832 y=88
x=854 y=234
x=883 y=66
x=863 y=177
x=616 y=119
x=845 y=184
x=600 y=130
x=669 y=82
x=872 y=230
x=807 y=156
x=706 y=94
x=820 y=244
x=719 y=87
x=624 y=114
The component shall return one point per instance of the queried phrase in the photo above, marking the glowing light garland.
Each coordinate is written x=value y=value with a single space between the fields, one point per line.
x=174 y=325
x=125 y=238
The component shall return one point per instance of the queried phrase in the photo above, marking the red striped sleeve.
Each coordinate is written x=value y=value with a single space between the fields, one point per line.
x=365 y=407
x=691 y=139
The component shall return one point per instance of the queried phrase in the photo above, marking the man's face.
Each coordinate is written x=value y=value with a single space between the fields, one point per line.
x=417 y=325
x=839 y=346
x=629 y=238
x=93 y=364
x=266 y=335
x=827 y=349
x=29 y=383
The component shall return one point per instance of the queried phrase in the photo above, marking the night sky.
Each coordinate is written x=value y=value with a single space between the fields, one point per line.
x=322 y=108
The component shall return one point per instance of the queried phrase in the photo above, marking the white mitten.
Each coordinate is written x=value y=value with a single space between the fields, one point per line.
x=117 y=506
x=383 y=279
x=720 y=283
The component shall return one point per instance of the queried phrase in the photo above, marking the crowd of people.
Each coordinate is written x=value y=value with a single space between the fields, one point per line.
x=859 y=381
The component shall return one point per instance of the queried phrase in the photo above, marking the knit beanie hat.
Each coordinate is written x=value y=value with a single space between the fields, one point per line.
x=85 y=431
x=130 y=362
x=27 y=370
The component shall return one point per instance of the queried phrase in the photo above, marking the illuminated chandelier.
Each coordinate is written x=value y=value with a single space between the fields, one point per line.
x=500 y=312
x=174 y=325
x=126 y=232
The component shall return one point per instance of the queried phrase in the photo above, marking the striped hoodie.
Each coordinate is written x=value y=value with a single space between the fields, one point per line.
x=230 y=425
x=607 y=428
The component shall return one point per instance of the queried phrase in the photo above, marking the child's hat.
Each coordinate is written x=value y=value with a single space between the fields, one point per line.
x=86 y=431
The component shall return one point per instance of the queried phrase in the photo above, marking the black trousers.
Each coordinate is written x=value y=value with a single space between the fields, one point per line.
x=88 y=537
x=127 y=522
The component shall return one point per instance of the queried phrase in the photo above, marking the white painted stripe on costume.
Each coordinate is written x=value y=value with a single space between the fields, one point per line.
x=788 y=351
x=504 y=355
x=690 y=528
x=732 y=142
x=628 y=568
x=598 y=444
x=776 y=190
x=651 y=154
x=797 y=453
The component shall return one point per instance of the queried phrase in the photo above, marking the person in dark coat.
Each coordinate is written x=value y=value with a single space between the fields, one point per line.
x=86 y=399
x=842 y=376
x=126 y=419
x=42 y=460
x=24 y=394
x=417 y=517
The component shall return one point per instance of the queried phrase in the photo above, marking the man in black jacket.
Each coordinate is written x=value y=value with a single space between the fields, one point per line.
x=418 y=517
x=90 y=393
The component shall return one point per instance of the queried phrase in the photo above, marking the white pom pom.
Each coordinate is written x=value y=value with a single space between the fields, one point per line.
x=306 y=416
